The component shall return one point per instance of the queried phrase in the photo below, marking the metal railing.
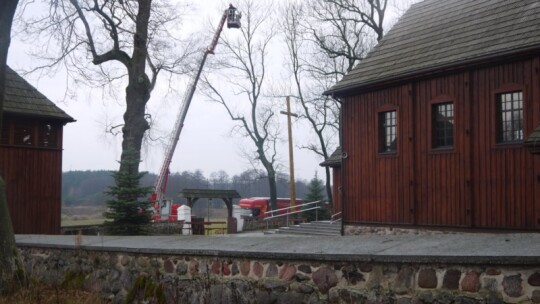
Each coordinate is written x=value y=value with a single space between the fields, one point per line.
x=288 y=212
x=336 y=217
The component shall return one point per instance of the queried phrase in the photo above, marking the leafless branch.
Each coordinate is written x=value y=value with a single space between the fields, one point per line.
x=246 y=72
x=114 y=129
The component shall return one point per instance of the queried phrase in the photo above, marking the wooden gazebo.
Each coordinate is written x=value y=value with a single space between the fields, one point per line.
x=193 y=195
x=31 y=157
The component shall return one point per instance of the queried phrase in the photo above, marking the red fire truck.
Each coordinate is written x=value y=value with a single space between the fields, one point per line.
x=259 y=206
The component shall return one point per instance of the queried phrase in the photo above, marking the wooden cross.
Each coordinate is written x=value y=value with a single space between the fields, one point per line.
x=291 y=158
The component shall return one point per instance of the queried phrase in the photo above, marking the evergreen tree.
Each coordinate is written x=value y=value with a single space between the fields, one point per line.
x=315 y=192
x=129 y=208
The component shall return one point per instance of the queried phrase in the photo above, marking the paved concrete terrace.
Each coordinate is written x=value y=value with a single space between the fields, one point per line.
x=469 y=248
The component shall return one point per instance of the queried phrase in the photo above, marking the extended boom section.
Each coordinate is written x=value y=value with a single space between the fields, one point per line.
x=161 y=205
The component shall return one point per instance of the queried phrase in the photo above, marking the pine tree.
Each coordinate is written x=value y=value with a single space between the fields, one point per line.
x=129 y=208
x=315 y=192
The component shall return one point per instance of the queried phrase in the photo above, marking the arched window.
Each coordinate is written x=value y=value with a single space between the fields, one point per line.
x=388 y=131
x=442 y=120
x=510 y=117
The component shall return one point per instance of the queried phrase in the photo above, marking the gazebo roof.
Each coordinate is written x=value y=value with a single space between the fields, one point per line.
x=209 y=193
x=193 y=195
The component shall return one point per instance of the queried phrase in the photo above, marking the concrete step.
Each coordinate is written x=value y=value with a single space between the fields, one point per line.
x=312 y=228
x=322 y=225
x=306 y=232
x=309 y=229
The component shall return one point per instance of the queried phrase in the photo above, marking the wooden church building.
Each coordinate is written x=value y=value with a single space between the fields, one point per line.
x=31 y=157
x=441 y=121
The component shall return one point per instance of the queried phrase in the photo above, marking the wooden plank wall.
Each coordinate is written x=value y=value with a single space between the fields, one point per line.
x=33 y=186
x=477 y=183
x=441 y=174
x=535 y=99
x=503 y=174
x=380 y=197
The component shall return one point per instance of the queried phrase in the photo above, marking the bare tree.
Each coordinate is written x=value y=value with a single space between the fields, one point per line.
x=245 y=71
x=10 y=265
x=343 y=30
x=219 y=179
x=127 y=41
x=317 y=109
x=325 y=40
x=368 y=13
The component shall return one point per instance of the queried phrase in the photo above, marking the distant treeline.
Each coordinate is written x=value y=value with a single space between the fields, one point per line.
x=89 y=187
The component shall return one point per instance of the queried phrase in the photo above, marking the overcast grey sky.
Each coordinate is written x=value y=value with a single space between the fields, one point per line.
x=206 y=142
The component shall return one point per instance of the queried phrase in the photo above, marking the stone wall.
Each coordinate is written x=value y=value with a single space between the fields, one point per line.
x=162 y=278
x=388 y=230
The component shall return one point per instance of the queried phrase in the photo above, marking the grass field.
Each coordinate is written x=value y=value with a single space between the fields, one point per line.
x=213 y=229
x=82 y=216
x=91 y=215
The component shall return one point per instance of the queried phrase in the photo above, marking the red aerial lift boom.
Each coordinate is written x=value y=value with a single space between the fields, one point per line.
x=162 y=207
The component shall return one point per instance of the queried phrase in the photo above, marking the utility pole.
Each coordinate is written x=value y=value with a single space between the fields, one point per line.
x=291 y=157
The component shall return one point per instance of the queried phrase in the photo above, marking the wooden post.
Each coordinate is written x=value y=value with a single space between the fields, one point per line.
x=291 y=157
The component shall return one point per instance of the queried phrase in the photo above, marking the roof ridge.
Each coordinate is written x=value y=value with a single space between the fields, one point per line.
x=440 y=33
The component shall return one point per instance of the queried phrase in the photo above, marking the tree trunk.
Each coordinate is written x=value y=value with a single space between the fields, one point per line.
x=137 y=91
x=328 y=185
x=9 y=261
x=324 y=151
x=7 y=11
x=271 y=177
x=9 y=258
x=273 y=189
x=135 y=124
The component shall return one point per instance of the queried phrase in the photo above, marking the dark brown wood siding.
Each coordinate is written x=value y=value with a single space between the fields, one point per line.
x=375 y=185
x=504 y=174
x=475 y=183
x=441 y=173
x=33 y=186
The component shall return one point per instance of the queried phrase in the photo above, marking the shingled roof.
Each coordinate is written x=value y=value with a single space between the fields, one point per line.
x=23 y=99
x=333 y=160
x=533 y=141
x=437 y=34
x=209 y=193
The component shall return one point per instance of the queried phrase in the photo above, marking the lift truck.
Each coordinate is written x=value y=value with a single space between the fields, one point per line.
x=164 y=210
